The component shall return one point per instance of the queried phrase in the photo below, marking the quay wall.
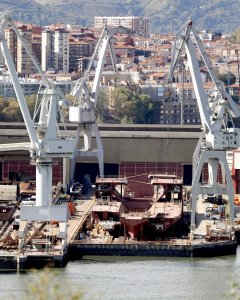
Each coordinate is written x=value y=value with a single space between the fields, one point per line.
x=8 y=262
x=77 y=250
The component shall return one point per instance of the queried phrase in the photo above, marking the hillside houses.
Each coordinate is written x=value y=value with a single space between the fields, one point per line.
x=142 y=60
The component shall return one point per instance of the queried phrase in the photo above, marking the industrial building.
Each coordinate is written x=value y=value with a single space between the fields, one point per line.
x=129 y=150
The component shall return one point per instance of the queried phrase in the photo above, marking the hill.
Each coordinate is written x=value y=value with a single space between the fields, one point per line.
x=164 y=15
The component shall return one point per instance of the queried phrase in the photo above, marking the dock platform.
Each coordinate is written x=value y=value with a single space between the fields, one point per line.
x=103 y=244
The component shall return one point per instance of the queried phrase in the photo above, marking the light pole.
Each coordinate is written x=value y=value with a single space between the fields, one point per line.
x=182 y=98
x=236 y=52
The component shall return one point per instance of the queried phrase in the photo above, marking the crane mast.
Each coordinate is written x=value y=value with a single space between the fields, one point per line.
x=46 y=141
x=83 y=110
x=217 y=111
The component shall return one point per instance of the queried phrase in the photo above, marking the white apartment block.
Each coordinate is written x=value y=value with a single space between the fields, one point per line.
x=138 y=25
x=55 y=50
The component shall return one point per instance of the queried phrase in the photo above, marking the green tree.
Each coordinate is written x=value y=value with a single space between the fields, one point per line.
x=119 y=100
x=227 y=77
x=102 y=107
x=131 y=107
x=31 y=100
x=235 y=37
x=12 y=111
x=3 y=104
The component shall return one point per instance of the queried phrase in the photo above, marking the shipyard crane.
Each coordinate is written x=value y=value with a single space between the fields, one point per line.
x=217 y=112
x=83 y=110
x=46 y=140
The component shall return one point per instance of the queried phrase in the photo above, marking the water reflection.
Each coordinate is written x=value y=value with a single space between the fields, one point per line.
x=117 y=278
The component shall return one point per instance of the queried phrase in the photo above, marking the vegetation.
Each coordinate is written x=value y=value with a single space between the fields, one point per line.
x=228 y=78
x=45 y=284
x=10 y=110
x=126 y=106
x=165 y=15
x=235 y=37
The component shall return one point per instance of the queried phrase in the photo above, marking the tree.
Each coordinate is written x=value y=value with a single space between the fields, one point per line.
x=3 y=104
x=131 y=107
x=31 y=100
x=119 y=100
x=235 y=37
x=227 y=77
x=12 y=111
x=101 y=107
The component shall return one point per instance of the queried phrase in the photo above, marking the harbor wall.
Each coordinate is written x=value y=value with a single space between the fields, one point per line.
x=77 y=250
x=8 y=262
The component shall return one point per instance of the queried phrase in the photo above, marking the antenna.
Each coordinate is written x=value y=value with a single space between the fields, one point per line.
x=38 y=14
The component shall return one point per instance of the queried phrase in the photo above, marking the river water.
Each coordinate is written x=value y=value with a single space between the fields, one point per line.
x=117 y=278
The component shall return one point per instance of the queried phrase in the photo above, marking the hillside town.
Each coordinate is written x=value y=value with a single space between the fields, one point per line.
x=142 y=59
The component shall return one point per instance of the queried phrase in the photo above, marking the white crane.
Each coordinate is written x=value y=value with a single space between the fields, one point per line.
x=216 y=112
x=46 y=142
x=83 y=110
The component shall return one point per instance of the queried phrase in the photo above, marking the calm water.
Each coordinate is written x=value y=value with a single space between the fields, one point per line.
x=117 y=278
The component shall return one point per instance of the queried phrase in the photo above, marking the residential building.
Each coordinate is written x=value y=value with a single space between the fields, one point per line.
x=31 y=86
x=11 y=40
x=138 y=25
x=55 y=50
x=179 y=111
x=1 y=58
x=24 y=62
x=234 y=91
x=37 y=43
x=77 y=50
x=21 y=60
x=180 y=104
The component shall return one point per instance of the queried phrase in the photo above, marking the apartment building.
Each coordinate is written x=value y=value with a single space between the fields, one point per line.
x=11 y=40
x=180 y=105
x=30 y=86
x=21 y=60
x=24 y=62
x=179 y=111
x=139 y=25
x=55 y=50
x=77 y=50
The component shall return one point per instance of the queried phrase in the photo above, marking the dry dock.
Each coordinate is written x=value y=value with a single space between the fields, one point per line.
x=221 y=243
x=102 y=244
